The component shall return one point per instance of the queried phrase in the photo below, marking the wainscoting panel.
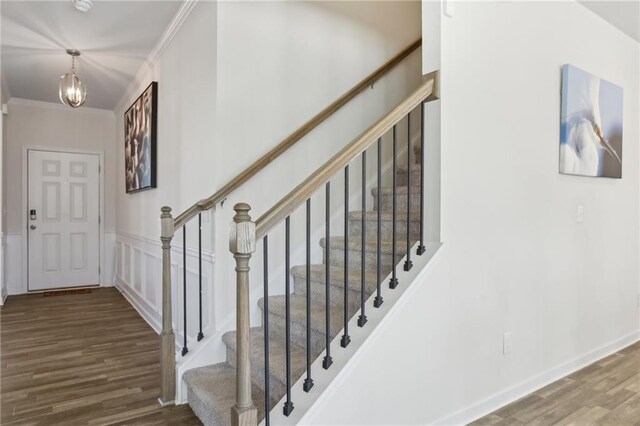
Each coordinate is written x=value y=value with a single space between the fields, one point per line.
x=138 y=276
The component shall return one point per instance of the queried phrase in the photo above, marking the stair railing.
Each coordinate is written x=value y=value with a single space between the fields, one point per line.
x=170 y=225
x=244 y=412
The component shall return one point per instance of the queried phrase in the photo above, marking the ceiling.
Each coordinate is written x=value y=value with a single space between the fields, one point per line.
x=622 y=14
x=115 y=38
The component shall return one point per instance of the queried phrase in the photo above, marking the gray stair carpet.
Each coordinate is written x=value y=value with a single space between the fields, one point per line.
x=211 y=389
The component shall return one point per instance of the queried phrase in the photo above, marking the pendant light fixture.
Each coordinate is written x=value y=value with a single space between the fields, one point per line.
x=73 y=91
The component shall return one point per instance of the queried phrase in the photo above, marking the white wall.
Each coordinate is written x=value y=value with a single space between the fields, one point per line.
x=250 y=85
x=514 y=258
x=186 y=74
x=270 y=83
x=31 y=123
x=3 y=286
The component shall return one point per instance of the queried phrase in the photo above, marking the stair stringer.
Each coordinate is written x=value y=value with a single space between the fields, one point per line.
x=328 y=382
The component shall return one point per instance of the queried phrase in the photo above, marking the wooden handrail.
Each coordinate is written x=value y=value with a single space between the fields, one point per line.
x=291 y=140
x=429 y=90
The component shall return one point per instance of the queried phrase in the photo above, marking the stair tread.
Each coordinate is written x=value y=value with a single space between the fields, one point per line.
x=403 y=167
x=298 y=312
x=372 y=215
x=400 y=190
x=215 y=388
x=371 y=244
x=336 y=273
x=277 y=354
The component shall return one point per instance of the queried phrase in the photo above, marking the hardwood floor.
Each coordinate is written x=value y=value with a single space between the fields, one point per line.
x=80 y=359
x=604 y=393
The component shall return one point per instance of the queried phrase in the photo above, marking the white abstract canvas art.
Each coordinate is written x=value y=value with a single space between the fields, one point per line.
x=591 y=125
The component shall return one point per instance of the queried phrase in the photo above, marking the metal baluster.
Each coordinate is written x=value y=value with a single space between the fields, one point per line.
x=362 y=319
x=327 y=361
x=308 y=382
x=393 y=283
x=200 y=335
x=377 y=301
x=288 y=405
x=407 y=263
x=421 y=248
x=184 y=288
x=345 y=340
x=265 y=308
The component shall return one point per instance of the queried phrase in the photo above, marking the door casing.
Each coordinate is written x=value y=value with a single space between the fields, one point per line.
x=25 y=207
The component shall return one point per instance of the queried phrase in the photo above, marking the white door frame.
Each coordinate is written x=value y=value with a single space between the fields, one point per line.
x=25 y=207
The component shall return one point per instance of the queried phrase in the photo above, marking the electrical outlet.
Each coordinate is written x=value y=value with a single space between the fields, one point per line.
x=506 y=343
x=580 y=214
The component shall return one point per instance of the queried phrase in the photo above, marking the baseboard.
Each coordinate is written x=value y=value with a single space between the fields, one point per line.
x=507 y=396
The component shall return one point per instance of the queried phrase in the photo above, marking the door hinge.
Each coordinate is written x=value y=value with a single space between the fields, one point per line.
x=99 y=168
x=99 y=220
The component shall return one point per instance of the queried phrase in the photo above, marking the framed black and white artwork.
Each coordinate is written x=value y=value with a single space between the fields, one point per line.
x=140 y=134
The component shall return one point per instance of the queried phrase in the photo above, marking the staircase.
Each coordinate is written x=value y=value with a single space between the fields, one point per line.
x=263 y=363
x=212 y=390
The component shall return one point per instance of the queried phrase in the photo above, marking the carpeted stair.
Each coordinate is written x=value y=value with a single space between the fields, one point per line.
x=211 y=389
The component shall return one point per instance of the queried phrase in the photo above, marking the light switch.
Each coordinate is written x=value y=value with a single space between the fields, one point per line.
x=580 y=214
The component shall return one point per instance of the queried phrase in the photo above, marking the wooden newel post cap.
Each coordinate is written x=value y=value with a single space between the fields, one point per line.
x=166 y=212
x=242 y=235
x=166 y=223
x=242 y=213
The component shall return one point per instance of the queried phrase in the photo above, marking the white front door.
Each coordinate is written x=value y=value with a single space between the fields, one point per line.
x=63 y=219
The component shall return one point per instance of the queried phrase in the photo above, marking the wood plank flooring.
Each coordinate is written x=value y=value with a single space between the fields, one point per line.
x=604 y=393
x=80 y=359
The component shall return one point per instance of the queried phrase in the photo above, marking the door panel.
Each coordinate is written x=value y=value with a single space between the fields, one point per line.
x=64 y=235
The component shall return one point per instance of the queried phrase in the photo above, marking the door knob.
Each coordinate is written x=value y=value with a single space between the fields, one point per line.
x=32 y=227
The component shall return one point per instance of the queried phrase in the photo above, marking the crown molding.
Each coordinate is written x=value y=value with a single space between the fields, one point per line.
x=164 y=41
x=51 y=105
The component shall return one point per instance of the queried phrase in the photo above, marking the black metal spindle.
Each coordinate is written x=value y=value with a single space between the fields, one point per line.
x=184 y=288
x=345 y=340
x=408 y=263
x=421 y=248
x=327 y=361
x=200 y=335
x=377 y=301
x=288 y=405
x=265 y=325
x=308 y=381
x=362 y=319
x=393 y=283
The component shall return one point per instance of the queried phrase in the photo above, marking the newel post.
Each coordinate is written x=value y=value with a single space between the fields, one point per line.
x=242 y=242
x=167 y=338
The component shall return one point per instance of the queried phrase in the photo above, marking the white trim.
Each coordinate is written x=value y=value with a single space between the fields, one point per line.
x=500 y=399
x=25 y=206
x=51 y=105
x=206 y=255
x=164 y=41
x=139 y=304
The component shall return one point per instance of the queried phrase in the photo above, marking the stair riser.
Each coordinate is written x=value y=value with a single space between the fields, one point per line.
x=415 y=176
x=386 y=202
x=336 y=258
x=298 y=334
x=277 y=386
x=386 y=227
x=318 y=291
x=299 y=330
x=200 y=409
